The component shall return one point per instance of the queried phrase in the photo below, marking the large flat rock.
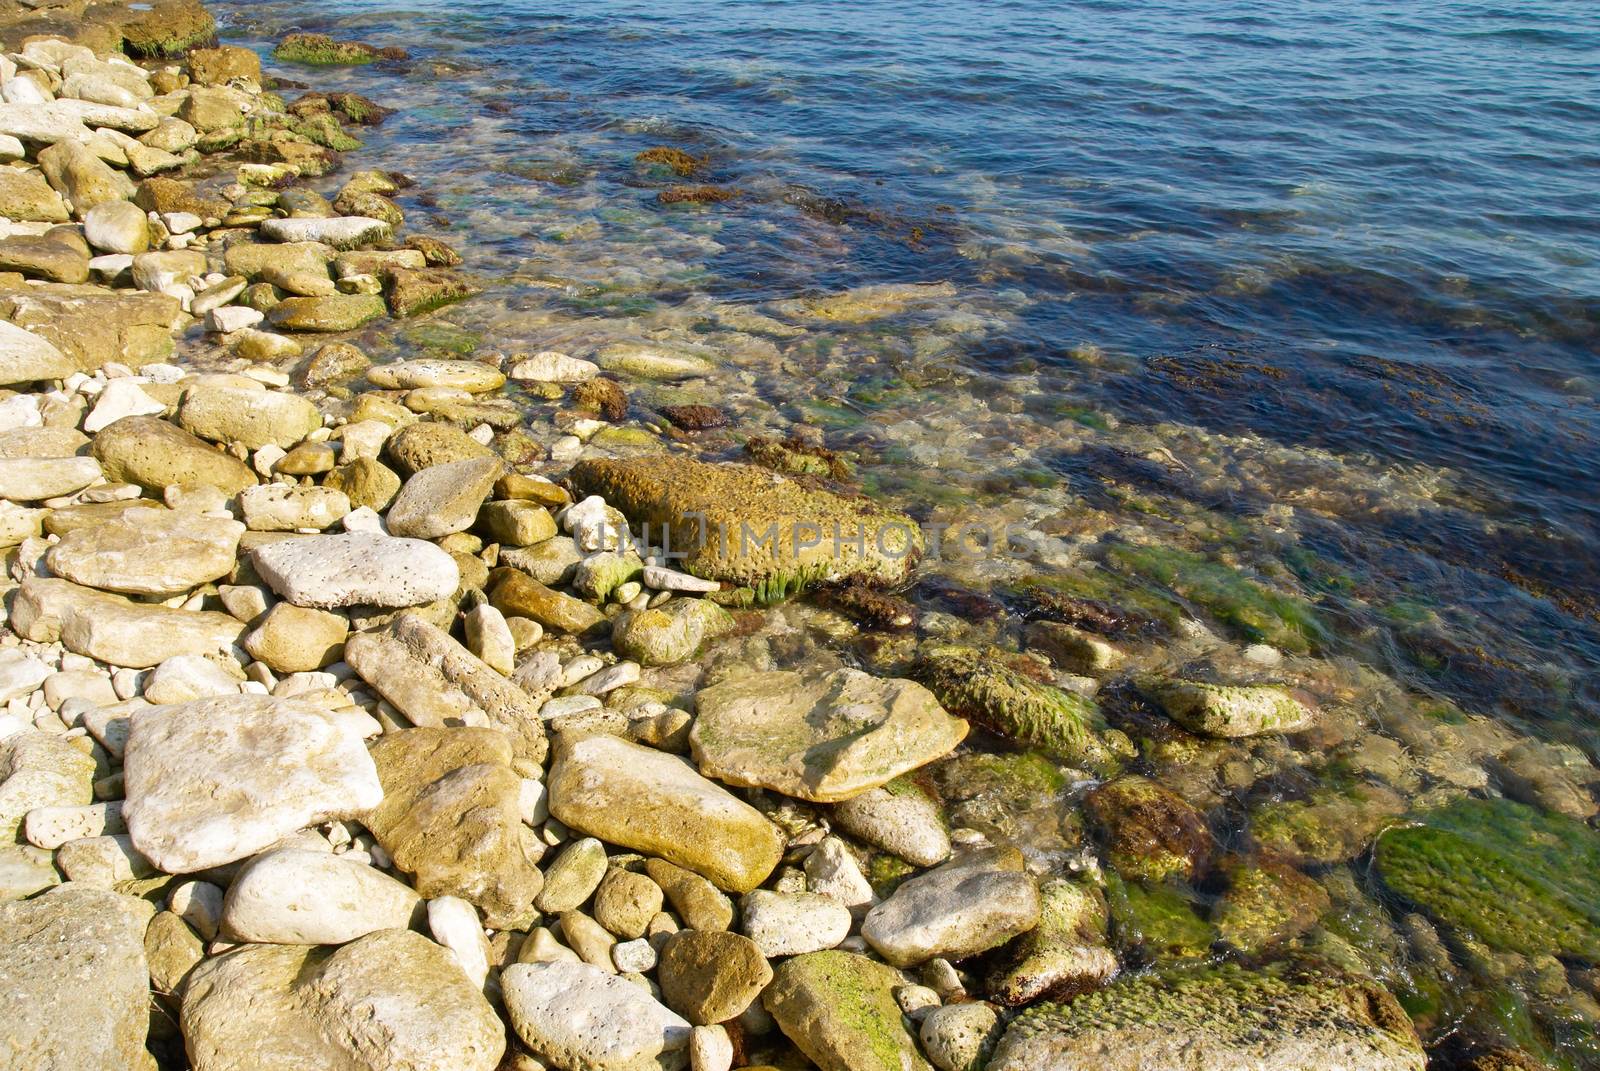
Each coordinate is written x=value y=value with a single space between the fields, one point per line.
x=113 y=629
x=360 y=568
x=148 y=552
x=219 y=779
x=822 y=738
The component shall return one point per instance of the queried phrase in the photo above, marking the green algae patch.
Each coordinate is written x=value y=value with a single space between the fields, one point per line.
x=1292 y=1014
x=168 y=29
x=320 y=50
x=1514 y=877
x=1334 y=824
x=1148 y=832
x=752 y=528
x=1227 y=710
x=1267 y=903
x=1259 y=613
x=839 y=1010
x=1159 y=921
x=991 y=690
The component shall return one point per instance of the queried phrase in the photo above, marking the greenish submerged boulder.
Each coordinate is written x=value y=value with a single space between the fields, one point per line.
x=667 y=635
x=1516 y=878
x=989 y=689
x=1291 y=1016
x=839 y=1009
x=1228 y=710
x=1148 y=831
x=752 y=528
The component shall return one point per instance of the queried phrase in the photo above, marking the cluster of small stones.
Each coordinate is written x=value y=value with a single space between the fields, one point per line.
x=338 y=738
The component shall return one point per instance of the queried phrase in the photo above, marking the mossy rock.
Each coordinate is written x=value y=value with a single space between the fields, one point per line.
x=1157 y=921
x=839 y=1009
x=320 y=50
x=1334 y=824
x=1149 y=833
x=1255 y=610
x=742 y=525
x=168 y=29
x=1227 y=710
x=1514 y=877
x=1267 y=903
x=1063 y=956
x=442 y=335
x=989 y=690
x=1289 y=1016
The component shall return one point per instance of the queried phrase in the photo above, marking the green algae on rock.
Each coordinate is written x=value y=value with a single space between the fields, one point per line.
x=1227 y=710
x=1063 y=956
x=1518 y=879
x=669 y=634
x=1267 y=903
x=1148 y=831
x=1158 y=921
x=988 y=689
x=746 y=526
x=1286 y=1017
x=1334 y=824
x=320 y=50
x=839 y=1009
x=1261 y=614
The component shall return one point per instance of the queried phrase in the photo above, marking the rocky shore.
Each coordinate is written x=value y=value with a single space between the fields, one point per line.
x=346 y=724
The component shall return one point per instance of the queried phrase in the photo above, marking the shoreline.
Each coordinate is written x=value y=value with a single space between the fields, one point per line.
x=345 y=722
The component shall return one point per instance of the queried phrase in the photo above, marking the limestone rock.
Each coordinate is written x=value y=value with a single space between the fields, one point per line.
x=112 y=629
x=1229 y=710
x=281 y=507
x=434 y=680
x=901 y=818
x=220 y=779
x=256 y=418
x=745 y=525
x=640 y=798
x=77 y=984
x=473 y=376
x=576 y=1016
x=330 y=571
x=297 y=639
x=390 y=1001
x=25 y=357
x=667 y=635
x=33 y=479
x=710 y=976
x=93 y=326
x=443 y=499
x=148 y=552
x=290 y=896
x=821 y=738
x=1063 y=956
x=38 y=770
x=154 y=454
x=516 y=594
x=451 y=818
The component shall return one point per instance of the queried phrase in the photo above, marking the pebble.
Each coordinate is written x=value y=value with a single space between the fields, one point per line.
x=454 y=923
x=573 y=876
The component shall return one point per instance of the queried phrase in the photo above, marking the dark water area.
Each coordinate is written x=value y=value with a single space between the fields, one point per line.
x=1351 y=249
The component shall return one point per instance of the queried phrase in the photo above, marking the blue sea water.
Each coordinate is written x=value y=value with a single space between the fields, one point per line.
x=1366 y=228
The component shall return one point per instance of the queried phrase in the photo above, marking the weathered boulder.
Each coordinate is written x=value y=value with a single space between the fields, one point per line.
x=822 y=737
x=390 y=1001
x=577 y=1016
x=25 y=357
x=969 y=905
x=451 y=819
x=148 y=552
x=93 y=326
x=711 y=976
x=667 y=635
x=255 y=418
x=291 y=896
x=839 y=1009
x=1228 y=710
x=113 y=629
x=748 y=526
x=329 y=571
x=76 y=981
x=443 y=499
x=154 y=454
x=216 y=780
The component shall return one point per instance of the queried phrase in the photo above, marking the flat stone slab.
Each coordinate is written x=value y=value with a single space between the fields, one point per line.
x=77 y=988
x=820 y=738
x=216 y=780
x=360 y=568
x=148 y=552
x=113 y=629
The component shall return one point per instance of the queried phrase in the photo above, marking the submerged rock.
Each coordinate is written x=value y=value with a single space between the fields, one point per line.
x=744 y=525
x=669 y=634
x=819 y=738
x=1287 y=1017
x=1066 y=954
x=1515 y=878
x=1267 y=902
x=1228 y=710
x=1148 y=831
x=990 y=691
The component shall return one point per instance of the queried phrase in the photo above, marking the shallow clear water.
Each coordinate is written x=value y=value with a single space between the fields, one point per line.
x=1344 y=259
